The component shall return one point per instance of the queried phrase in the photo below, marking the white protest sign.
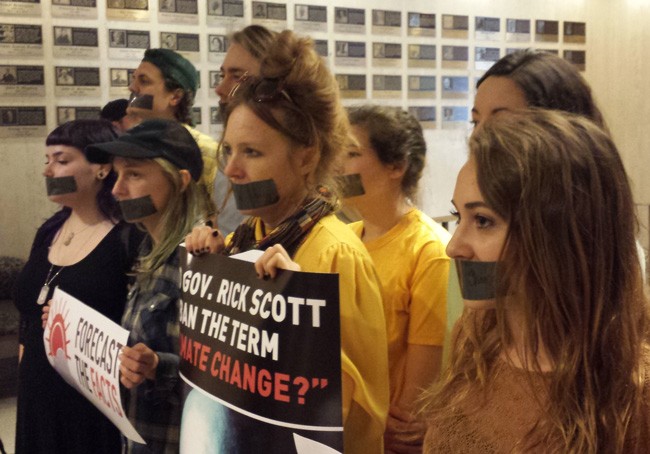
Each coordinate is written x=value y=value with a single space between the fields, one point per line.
x=83 y=346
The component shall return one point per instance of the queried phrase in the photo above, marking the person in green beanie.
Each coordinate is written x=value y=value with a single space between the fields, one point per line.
x=164 y=86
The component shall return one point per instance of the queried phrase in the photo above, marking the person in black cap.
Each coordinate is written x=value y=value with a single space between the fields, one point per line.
x=158 y=164
x=164 y=86
x=115 y=112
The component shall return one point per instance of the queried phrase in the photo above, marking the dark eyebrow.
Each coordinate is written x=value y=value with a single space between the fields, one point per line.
x=477 y=204
x=471 y=205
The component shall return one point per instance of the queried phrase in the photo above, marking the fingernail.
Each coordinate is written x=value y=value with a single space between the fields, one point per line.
x=209 y=223
x=215 y=233
x=266 y=276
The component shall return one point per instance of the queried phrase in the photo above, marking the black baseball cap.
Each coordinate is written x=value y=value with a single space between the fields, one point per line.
x=157 y=138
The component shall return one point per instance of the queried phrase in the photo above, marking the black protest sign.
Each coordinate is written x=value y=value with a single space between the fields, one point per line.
x=269 y=349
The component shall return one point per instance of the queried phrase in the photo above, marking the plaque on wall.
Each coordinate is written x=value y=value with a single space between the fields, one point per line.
x=186 y=44
x=387 y=55
x=518 y=30
x=127 y=44
x=321 y=46
x=487 y=28
x=178 y=12
x=21 y=40
x=19 y=81
x=455 y=117
x=137 y=10
x=216 y=123
x=455 y=87
x=120 y=78
x=76 y=81
x=455 y=26
x=310 y=18
x=20 y=8
x=350 y=53
x=74 y=9
x=352 y=86
x=214 y=77
x=422 y=56
x=22 y=121
x=70 y=113
x=421 y=87
x=577 y=57
x=226 y=13
x=386 y=86
x=386 y=22
x=75 y=43
x=547 y=31
x=196 y=116
x=349 y=20
x=575 y=32
x=455 y=57
x=217 y=47
x=426 y=115
x=271 y=15
x=421 y=24
x=484 y=57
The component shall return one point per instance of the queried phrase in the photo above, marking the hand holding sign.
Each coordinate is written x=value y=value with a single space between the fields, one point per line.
x=273 y=258
x=204 y=239
x=138 y=363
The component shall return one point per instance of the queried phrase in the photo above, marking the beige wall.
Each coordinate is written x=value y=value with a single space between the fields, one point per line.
x=618 y=64
x=617 y=67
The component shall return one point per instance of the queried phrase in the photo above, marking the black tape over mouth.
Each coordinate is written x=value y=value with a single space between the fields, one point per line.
x=254 y=195
x=60 y=185
x=134 y=209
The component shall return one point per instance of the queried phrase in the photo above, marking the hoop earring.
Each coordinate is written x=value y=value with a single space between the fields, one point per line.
x=101 y=175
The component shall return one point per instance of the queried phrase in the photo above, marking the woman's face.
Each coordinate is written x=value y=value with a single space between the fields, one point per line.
x=376 y=176
x=496 y=94
x=480 y=233
x=254 y=152
x=138 y=178
x=67 y=161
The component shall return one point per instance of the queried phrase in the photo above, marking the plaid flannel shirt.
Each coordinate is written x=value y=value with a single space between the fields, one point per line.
x=151 y=316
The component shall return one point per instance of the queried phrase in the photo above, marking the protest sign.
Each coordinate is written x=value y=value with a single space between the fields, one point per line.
x=263 y=357
x=83 y=346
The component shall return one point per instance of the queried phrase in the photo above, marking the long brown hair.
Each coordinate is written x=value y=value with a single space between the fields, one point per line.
x=570 y=266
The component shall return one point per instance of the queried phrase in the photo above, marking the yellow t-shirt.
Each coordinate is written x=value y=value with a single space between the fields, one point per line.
x=331 y=247
x=208 y=147
x=413 y=269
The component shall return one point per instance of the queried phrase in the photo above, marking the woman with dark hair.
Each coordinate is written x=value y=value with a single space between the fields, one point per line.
x=534 y=78
x=551 y=353
x=70 y=248
x=388 y=159
x=283 y=137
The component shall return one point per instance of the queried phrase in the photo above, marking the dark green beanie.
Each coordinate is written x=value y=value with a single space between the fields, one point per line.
x=174 y=66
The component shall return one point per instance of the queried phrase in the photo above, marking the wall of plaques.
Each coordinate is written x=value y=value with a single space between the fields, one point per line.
x=64 y=59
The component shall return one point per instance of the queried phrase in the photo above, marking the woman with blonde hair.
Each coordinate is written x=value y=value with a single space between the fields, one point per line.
x=551 y=352
x=283 y=135
x=158 y=164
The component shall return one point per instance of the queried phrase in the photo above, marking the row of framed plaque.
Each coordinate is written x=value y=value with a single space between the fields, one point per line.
x=69 y=53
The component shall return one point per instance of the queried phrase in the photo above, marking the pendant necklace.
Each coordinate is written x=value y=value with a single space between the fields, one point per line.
x=70 y=236
x=42 y=296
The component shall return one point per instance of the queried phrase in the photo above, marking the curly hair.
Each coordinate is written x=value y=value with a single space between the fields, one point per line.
x=396 y=137
x=311 y=115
